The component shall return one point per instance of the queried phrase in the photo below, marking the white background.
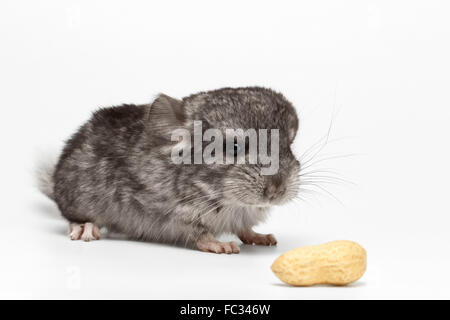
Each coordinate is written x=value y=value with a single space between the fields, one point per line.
x=380 y=69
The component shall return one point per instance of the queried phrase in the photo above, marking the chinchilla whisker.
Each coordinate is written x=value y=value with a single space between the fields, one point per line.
x=330 y=158
x=336 y=180
x=299 y=198
x=293 y=186
x=303 y=190
x=325 y=170
x=323 y=174
x=326 y=137
x=321 y=179
x=318 y=145
x=325 y=182
x=312 y=148
x=327 y=192
x=304 y=194
x=312 y=193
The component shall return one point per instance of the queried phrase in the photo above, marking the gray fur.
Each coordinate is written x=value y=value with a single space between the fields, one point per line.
x=45 y=181
x=116 y=170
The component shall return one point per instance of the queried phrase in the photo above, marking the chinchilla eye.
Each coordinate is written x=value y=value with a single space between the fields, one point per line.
x=237 y=149
x=234 y=149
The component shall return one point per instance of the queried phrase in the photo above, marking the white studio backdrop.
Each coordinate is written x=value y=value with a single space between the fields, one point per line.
x=375 y=72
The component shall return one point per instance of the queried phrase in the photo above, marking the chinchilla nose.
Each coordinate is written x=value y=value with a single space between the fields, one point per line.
x=274 y=187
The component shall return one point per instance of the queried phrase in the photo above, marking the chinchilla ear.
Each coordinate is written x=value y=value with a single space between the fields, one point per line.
x=292 y=127
x=165 y=114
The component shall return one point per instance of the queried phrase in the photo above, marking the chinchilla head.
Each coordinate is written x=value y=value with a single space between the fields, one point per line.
x=233 y=144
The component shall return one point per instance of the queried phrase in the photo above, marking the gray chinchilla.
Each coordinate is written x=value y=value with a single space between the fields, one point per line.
x=117 y=172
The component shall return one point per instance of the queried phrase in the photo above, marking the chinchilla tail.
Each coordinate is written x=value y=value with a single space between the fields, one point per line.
x=44 y=177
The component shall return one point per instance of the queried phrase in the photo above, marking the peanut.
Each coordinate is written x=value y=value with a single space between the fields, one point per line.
x=337 y=262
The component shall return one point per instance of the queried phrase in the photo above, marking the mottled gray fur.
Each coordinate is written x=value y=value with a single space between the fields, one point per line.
x=116 y=170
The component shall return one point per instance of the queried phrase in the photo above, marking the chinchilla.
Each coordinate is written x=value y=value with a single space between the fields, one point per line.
x=117 y=171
